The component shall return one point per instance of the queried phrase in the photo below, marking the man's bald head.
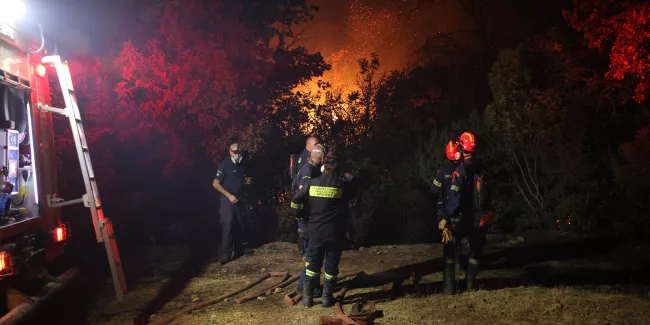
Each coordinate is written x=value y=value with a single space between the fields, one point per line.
x=317 y=154
x=311 y=142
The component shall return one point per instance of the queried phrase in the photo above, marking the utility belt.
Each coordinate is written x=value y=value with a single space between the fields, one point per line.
x=456 y=222
x=479 y=220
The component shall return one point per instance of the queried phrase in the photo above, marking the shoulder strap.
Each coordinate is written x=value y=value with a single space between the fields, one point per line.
x=293 y=165
x=480 y=191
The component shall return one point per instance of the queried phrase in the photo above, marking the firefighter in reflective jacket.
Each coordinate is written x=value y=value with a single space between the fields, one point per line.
x=462 y=214
x=442 y=182
x=315 y=159
x=326 y=197
x=308 y=170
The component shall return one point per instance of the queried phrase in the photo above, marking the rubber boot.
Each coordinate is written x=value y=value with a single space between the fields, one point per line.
x=301 y=282
x=458 y=266
x=328 y=292
x=307 y=293
x=472 y=271
x=449 y=280
x=318 y=290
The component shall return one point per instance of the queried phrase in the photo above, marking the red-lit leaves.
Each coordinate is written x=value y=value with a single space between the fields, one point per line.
x=206 y=74
x=624 y=30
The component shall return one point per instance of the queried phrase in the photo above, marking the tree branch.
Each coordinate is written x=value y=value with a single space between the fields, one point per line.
x=522 y=174
x=297 y=38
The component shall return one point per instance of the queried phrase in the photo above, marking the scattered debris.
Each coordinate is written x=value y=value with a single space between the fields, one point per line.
x=189 y=309
x=292 y=298
x=262 y=293
x=359 y=315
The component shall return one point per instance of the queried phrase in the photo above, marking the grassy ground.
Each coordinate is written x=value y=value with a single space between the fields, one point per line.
x=530 y=279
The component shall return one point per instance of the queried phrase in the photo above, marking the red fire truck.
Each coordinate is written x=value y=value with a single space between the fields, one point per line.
x=31 y=231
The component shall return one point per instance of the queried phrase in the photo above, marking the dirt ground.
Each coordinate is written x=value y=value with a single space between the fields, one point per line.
x=532 y=278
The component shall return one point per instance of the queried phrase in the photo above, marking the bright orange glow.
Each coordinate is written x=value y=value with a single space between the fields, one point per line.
x=4 y=261
x=40 y=70
x=59 y=234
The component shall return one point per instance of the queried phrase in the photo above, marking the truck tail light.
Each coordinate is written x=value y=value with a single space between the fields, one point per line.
x=59 y=233
x=6 y=265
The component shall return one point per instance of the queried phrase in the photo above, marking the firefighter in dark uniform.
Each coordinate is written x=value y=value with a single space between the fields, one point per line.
x=442 y=182
x=459 y=215
x=308 y=170
x=315 y=158
x=300 y=161
x=229 y=181
x=326 y=197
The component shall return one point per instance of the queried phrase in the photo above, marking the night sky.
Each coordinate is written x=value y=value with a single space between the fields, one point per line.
x=343 y=30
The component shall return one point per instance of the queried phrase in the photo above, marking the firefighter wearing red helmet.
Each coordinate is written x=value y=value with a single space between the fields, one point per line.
x=442 y=181
x=465 y=200
x=467 y=141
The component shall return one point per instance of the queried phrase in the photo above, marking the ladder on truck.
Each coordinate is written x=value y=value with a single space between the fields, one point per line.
x=103 y=226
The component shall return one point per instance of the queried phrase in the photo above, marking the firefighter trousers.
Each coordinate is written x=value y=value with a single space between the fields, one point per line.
x=303 y=242
x=330 y=252
x=235 y=228
x=301 y=279
x=476 y=239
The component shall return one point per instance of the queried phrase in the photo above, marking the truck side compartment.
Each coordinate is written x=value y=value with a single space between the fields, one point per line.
x=31 y=234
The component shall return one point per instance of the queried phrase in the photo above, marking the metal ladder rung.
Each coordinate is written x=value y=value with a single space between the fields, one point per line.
x=103 y=226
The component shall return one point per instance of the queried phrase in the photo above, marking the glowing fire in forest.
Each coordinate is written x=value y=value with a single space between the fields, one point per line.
x=366 y=29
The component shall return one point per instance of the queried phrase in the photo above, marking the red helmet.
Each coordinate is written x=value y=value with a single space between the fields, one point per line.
x=451 y=150
x=467 y=141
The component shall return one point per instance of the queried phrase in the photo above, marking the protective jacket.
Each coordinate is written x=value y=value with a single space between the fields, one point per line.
x=326 y=197
x=467 y=195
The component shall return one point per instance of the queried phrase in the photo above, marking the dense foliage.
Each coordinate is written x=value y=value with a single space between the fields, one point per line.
x=563 y=135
